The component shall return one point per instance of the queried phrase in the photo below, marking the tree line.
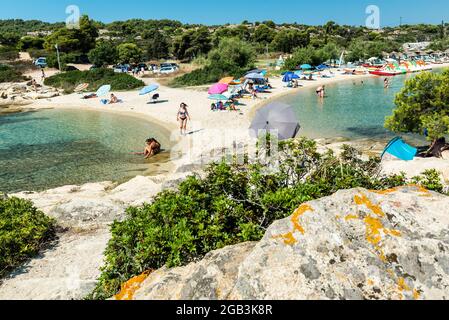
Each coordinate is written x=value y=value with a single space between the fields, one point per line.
x=137 y=40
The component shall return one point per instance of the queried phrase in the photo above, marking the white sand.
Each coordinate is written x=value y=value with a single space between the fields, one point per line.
x=104 y=202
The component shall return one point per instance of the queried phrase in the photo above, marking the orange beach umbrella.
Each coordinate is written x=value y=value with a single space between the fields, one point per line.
x=227 y=80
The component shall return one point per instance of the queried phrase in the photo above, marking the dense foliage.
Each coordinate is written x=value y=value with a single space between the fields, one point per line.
x=422 y=106
x=231 y=204
x=96 y=78
x=23 y=232
x=232 y=57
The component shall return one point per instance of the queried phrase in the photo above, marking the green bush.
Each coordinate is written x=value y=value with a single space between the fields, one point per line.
x=207 y=75
x=232 y=58
x=96 y=78
x=8 y=53
x=10 y=74
x=231 y=204
x=23 y=232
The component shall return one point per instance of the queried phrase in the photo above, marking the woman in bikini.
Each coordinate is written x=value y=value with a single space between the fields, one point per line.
x=183 y=117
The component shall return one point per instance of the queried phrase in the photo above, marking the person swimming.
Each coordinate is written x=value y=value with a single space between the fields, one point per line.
x=153 y=147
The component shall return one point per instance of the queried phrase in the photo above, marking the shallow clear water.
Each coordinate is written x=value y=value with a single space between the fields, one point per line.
x=350 y=110
x=51 y=148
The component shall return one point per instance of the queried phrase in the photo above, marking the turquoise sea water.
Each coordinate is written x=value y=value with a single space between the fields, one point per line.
x=51 y=148
x=350 y=110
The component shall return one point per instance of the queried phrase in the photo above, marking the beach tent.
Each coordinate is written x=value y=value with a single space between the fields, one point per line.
x=104 y=90
x=148 y=89
x=306 y=67
x=399 y=149
x=278 y=117
x=218 y=88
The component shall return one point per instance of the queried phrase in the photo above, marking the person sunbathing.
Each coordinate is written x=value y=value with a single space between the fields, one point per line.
x=90 y=96
x=152 y=148
x=114 y=99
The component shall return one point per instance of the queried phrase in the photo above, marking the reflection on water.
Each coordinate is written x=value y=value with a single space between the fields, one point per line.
x=52 y=148
x=351 y=109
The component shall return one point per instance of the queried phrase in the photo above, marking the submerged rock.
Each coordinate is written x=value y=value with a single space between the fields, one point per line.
x=356 y=244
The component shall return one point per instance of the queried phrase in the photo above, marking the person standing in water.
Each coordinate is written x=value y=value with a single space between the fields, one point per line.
x=386 y=83
x=183 y=117
x=321 y=91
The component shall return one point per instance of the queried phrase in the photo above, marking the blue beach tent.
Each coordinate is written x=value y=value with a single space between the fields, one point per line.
x=399 y=149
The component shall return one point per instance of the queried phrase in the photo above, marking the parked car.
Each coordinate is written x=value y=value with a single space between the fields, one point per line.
x=166 y=70
x=71 y=68
x=122 y=68
x=170 y=65
x=41 y=62
x=142 y=65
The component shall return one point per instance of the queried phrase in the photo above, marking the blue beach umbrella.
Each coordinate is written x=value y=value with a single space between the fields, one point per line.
x=289 y=76
x=306 y=67
x=104 y=90
x=148 y=89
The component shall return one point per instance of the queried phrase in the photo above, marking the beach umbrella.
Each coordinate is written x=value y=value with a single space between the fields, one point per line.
x=218 y=88
x=289 y=76
x=104 y=90
x=253 y=71
x=148 y=89
x=254 y=76
x=306 y=67
x=227 y=80
x=322 y=67
x=81 y=87
x=218 y=97
x=276 y=116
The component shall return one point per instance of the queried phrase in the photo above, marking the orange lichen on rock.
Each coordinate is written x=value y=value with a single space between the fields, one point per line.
x=289 y=238
x=131 y=286
x=416 y=294
x=298 y=213
x=402 y=286
x=421 y=189
x=363 y=200
x=351 y=217
x=385 y=192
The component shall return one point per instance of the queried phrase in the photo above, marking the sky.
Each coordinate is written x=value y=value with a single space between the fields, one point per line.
x=210 y=12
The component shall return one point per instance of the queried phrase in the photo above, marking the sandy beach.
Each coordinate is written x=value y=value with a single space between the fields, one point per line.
x=86 y=211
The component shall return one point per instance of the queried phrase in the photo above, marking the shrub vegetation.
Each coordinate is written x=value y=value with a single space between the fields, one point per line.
x=96 y=78
x=231 y=204
x=232 y=58
x=23 y=232
x=10 y=74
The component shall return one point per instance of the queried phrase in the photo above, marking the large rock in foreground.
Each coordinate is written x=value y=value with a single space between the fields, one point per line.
x=356 y=244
